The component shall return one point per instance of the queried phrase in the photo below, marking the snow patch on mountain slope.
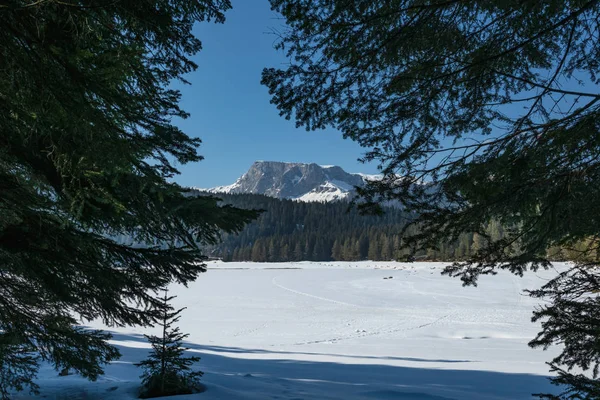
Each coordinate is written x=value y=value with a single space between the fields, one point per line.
x=226 y=188
x=325 y=193
x=223 y=189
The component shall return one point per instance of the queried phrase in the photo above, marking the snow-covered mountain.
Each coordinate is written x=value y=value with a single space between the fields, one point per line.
x=304 y=182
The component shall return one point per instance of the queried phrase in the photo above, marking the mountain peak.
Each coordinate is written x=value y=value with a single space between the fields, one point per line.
x=299 y=181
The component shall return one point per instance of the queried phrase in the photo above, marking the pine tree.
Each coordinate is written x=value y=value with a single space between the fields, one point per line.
x=363 y=247
x=495 y=103
x=478 y=242
x=88 y=153
x=336 y=251
x=400 y=253
x=255 y=257
x=495 y=231
x=355 y=250
x=298 y=251
x=285 y=253
x=18 y=364
x=374 y=253
x=347 y=250
x=385 y=249
x=166 y=371
x=273 y=251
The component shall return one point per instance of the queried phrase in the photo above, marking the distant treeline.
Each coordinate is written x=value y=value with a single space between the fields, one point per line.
x=295 y=231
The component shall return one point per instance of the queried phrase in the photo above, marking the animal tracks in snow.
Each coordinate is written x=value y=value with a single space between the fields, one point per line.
x=403 y=319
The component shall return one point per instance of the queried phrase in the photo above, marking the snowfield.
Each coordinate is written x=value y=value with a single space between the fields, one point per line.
x=356 y=330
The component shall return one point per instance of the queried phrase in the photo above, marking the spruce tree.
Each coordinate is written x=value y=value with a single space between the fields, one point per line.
x=285 y=253
x=273 y=251
x=385 y=249
x=18 y=364
x=87 y=153
x=488 y=111
x=336 y=251
x=298 y=254
x=166 y=371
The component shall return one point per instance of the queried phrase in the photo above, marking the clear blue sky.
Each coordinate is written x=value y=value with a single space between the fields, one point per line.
x=230 y=109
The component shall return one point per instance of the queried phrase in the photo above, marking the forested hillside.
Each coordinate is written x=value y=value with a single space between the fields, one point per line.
x=294 y=231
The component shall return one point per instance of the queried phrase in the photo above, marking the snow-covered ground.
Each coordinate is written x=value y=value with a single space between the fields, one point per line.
x=356 y=330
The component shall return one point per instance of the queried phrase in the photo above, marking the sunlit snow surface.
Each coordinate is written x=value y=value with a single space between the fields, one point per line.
x=357 y=330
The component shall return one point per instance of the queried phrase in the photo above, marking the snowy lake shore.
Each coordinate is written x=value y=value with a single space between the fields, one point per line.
x=341 y=330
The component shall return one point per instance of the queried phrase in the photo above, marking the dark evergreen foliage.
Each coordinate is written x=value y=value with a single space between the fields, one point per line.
x=18 y=364
x=291 y=230
x=494 y=102
x=166 y=371
x=87 y=147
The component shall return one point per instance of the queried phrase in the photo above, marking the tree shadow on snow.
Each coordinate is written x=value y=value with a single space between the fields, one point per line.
x=236 y=350
x=256 y=377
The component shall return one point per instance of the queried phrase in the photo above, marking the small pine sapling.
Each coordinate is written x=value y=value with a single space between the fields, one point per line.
x=166 y=371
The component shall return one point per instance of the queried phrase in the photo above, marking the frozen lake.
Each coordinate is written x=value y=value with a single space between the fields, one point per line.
x=355 y=330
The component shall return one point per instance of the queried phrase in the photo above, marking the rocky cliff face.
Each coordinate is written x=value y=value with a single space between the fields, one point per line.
x=305 y=182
